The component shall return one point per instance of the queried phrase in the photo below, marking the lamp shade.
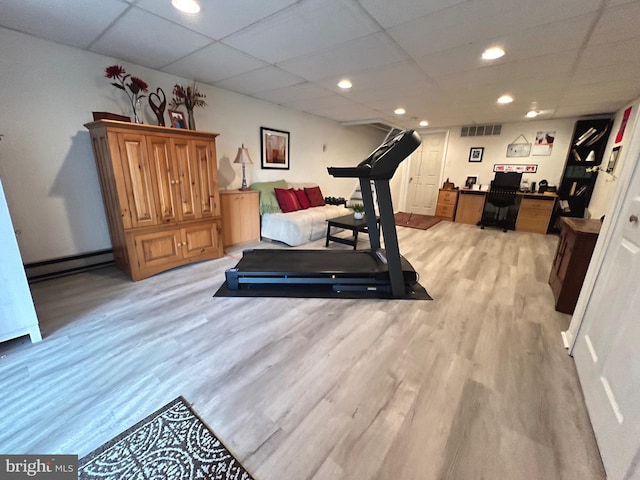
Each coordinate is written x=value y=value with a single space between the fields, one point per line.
x=243 y=156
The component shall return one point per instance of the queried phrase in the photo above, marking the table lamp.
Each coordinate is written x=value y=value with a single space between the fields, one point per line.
x=243 y=158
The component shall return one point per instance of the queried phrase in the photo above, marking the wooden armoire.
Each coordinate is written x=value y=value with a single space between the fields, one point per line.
x=160 y=191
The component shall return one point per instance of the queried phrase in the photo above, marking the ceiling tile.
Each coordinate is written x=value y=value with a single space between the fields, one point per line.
x=349 y=57
x=214 y=63
x=65 y=21
x=617 y=23
x=260 y=80
x=305 y=28
x=389 y=14
x=609 y=54
x=491 y=18
x=217 y=18
x=396 y=75
x=128 y=39
x=288 y=95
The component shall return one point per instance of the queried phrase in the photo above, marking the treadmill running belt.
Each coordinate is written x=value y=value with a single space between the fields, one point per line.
x=304 y=261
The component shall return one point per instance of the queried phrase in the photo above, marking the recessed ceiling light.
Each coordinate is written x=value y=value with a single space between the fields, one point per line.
x=399 y=111
x=532 y=114
x=504 y=99
x=186 y=6
x=345 y=84
x=424 y=123
x=492 y=53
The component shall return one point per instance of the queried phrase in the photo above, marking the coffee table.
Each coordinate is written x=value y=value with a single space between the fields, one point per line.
x=348 y=222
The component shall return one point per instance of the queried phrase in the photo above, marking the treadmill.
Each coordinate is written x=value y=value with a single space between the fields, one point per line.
x=374 y=272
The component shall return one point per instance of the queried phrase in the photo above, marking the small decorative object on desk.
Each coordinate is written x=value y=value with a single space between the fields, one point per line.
x=358 y=211
x=190 y=97
x=132 y=89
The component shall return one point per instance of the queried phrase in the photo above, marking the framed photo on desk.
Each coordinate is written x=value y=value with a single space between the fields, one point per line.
x=470 y=182
x=475 y=154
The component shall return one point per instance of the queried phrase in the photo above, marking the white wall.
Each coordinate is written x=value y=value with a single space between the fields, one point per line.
x=606 y=183
x=49 y=91
x=457 y=166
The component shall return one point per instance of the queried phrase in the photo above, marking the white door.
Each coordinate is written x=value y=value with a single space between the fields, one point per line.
x=607 y=349
x=424 y=174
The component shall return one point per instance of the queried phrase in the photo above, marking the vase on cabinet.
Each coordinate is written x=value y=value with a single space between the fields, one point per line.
x=191 y=120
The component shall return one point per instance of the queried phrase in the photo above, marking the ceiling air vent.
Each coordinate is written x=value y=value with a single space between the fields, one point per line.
x=480 y=130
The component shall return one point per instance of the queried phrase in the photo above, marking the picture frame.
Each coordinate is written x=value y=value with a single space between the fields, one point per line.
x=178 y=119
x=470 y=182
x=475 y=154
x=613 y=159
x=274 y=148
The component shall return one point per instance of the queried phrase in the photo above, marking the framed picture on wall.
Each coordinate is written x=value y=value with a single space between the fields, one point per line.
x=274 y=146
x=615 y=153
x=475 y=154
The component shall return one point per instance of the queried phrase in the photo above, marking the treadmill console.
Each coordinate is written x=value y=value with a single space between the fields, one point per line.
x=384 y=161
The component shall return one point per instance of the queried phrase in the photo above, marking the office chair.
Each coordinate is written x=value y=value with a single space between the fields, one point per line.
x=501 y=198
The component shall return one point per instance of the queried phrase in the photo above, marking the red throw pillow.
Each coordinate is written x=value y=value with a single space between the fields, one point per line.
x=287 y=200
x=316 y=199
x=303 y=200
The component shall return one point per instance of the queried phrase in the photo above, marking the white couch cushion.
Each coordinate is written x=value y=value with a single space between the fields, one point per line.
x=302 y=226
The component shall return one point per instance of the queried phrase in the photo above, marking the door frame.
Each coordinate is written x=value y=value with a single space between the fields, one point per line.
x=404 y=186
x=613 y=217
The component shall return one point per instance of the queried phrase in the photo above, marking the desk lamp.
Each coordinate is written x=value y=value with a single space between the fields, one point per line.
x=243 y=158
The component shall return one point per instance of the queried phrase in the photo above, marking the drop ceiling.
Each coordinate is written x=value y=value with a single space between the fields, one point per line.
x=564 y=58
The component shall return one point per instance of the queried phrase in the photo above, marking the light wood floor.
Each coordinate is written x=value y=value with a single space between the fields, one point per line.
x=473 y=385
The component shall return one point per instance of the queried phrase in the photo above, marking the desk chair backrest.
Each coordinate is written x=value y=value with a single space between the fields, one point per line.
x=507 y=180
x=501 y=196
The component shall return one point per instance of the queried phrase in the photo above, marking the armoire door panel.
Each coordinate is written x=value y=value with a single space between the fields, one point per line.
x=207 y=178
x=163 y=173
x=201 y=239
x=187 y=180
x=158 y=247
x=135 y=166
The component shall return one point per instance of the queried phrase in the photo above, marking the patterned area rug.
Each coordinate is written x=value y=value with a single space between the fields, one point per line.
x=172 y=443
x=413 y=220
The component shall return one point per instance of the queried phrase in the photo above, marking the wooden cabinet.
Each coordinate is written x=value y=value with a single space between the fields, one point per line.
x=447 y=201
x=240 y=216
x=575 y=247
x=160 y=190
x=534 y=214
x=470 y=206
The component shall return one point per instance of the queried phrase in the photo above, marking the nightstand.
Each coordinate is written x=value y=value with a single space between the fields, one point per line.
x=240 y=216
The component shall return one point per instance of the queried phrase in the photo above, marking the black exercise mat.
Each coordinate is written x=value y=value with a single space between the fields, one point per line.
x=417 y=292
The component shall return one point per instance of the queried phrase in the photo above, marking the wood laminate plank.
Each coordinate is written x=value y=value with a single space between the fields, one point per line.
x=474 y=384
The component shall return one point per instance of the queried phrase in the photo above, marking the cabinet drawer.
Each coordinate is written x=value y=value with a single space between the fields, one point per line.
x=535 y=205
x=448 y=197
x=445 y=210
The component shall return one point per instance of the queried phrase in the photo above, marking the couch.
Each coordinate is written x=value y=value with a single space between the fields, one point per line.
x=293 y=228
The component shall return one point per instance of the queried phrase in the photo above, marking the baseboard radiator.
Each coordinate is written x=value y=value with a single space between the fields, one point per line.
x=59 y=267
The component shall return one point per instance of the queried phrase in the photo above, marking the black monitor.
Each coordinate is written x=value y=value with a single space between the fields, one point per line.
x=507 y=179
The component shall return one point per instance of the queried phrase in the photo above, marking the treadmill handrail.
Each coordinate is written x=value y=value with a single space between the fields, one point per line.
x=384 y=160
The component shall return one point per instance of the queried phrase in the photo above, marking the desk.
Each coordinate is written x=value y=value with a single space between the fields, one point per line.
x=534 y=209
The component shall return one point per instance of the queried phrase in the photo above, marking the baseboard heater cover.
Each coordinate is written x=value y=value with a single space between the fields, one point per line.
x=58 y=267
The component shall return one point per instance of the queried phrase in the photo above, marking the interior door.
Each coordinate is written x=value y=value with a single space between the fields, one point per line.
x=424 y=174
x=606 y=349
